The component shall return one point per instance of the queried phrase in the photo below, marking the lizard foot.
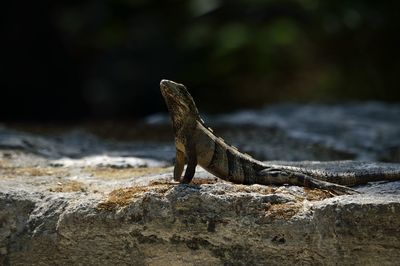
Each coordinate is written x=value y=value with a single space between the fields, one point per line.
x=185 y=180
x=331 y=187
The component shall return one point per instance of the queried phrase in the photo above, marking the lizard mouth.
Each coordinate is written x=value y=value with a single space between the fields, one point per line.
x=170 y=88
x=176 y=96
x=165 y=82
x=166 y=86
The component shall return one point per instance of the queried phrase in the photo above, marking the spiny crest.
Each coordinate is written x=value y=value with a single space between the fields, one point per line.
x=204 y=124
x=247 y=155
x=233 y=147
x=221 y=139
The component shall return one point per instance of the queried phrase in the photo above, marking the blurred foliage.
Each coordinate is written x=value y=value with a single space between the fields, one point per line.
x=105 y=58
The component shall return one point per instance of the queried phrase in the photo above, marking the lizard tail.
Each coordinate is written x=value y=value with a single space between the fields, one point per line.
x=280 y=177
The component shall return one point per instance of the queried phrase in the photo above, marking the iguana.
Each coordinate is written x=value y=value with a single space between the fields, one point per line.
x=198 y=145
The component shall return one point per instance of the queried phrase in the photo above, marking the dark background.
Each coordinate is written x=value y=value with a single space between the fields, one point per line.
x=83 y=60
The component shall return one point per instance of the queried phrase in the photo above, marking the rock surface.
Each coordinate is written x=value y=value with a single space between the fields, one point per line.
x=75 y=198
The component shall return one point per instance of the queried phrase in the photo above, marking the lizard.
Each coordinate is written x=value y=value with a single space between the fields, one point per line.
x=197 y=144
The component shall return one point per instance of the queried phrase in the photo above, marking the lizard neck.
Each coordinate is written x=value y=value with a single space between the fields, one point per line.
x=184 y=128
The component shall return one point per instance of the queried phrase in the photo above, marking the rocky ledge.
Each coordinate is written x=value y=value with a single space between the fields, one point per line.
x=73 y=198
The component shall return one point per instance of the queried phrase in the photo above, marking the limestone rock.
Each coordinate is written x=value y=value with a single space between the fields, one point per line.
x=78 y=199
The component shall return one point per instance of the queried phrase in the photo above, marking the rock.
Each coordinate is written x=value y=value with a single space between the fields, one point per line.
x=75 y=198
x=207 y=223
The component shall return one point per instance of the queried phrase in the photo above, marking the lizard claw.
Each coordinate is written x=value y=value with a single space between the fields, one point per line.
x=331 y=187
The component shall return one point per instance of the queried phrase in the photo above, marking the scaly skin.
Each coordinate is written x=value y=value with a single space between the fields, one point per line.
x=196 y=143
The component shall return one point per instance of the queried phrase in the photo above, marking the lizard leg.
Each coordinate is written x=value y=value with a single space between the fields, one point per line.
x=179 y=164
x=191 y=166
x=280 y=177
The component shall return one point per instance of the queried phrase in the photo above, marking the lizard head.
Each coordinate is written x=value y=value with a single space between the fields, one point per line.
x=180 y=103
